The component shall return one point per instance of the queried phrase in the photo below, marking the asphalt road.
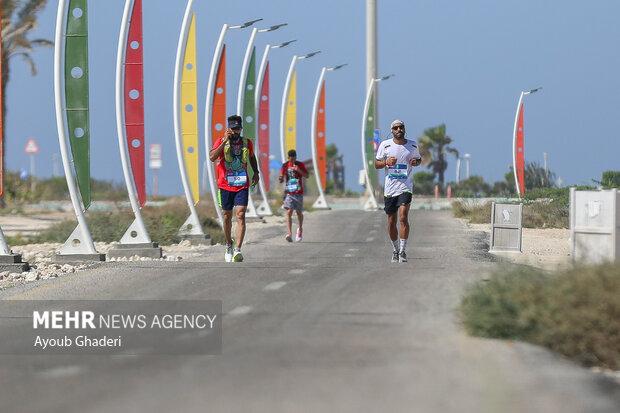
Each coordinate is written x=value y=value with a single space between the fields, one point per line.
x=324 y=325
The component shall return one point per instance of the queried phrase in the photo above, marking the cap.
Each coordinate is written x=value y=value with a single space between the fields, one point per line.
x=234 y=122
x=397 y=122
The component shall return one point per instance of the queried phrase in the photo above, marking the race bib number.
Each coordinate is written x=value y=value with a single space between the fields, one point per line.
x=292 y=185
x=237 y=178
x=398 y=171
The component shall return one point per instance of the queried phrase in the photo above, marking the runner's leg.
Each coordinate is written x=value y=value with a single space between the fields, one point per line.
x=228 y=226
x=289 y=221
x=240 y=214
x=403 y=220
x=392 y=230
x=300 y=218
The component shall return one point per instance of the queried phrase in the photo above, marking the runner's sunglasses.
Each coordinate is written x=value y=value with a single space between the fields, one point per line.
x=398 y=127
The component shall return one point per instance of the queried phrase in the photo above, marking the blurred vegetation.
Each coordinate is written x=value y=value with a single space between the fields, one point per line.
x=574 y=312
x=611 y=179
x=20 y=191
x=542 y=208
x=162 y=223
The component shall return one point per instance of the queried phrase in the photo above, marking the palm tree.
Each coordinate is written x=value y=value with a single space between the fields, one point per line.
x=19 y=18
x=434 y=146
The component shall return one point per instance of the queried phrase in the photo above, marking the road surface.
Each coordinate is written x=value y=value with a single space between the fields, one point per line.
x=325 y=325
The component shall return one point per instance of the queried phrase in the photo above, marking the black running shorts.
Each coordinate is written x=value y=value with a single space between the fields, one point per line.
x=392 y=203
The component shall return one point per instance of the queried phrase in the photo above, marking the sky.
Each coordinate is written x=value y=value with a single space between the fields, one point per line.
x=462 y=63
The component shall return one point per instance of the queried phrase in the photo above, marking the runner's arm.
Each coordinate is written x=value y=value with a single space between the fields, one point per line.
x=380 y=163
x=303 y=171
x=380 y=158
x=218 y=149
x=254 y=163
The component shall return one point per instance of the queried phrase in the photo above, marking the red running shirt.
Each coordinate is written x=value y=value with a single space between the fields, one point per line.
x=233 y=176
x=294 y=183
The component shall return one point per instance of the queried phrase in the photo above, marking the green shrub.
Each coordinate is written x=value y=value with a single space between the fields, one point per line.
x=611 y=179
x=575 y=312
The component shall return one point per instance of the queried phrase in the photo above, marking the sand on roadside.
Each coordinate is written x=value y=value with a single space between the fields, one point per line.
x=548 y=249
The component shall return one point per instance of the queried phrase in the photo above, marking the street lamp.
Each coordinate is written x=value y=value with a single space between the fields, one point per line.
x=215 y=114
x=518 y=149
x=317 y=135
x=262 y=97
x=467 y=158
x=246 y=105
x=288 y=114
x=368 y=127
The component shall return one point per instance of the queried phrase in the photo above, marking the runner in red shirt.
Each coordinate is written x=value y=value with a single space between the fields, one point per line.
x=292 y=173
x=232 y=154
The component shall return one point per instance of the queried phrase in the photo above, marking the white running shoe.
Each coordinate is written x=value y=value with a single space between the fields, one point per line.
x=403 y=256
x=228 y=256
x=395 y=256
x=237 y=256
x=299 y=235
x=288 y=238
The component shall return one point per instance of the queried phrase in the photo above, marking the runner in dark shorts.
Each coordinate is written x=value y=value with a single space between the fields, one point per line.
x=232 y=154
x=398 y=156
x=292 y=174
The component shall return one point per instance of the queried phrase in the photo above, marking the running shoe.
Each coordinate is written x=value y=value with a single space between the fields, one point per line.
x=402 y=257
x=228 y=256
x=237 y=256
x=299 y=235
x=395 y=256
x=289 y=238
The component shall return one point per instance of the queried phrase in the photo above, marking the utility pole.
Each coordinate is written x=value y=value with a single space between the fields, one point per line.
x=371 y=51
x=546 y=178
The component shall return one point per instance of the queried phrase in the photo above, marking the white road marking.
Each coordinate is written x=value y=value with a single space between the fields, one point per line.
x=297 y=271
x=372 y=231
x=370 y=239
x=241 y=310
x=354 y=249
x=348 y=255
x=274 y=286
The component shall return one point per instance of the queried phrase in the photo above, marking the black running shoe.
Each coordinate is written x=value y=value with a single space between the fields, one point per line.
x=395 y=256
x=402 y=257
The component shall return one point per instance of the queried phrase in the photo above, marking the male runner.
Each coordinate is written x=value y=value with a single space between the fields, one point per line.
x=233 y=153
x=398 y=156
x=293 y=172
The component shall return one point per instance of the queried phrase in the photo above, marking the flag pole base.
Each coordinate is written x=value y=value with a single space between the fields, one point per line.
x=146 y=250
x=320 y=203
x=204 y=239
x=191 y=226
x=13 y=263
x=264 y=209
x=70 y=258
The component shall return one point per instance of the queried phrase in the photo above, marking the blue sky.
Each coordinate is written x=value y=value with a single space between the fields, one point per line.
x=462 y=63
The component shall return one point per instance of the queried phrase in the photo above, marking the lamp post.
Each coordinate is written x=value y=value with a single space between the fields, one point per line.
x=467 y=158
x=317 y=134
x=262 y=98
x=368 y=119
x=289 y=105
x=215 y=65
x=518 y=148
x=246 y=106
